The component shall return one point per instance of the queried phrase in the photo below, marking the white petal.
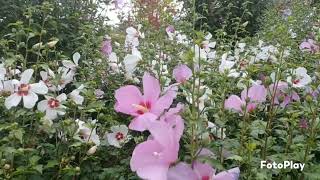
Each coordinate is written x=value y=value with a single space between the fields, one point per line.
x=62 y=97
x=12 y=101
x=111 y=137
x=39 y=88
x=123 y=129
x=26 y=76
x=76 y=56
x=42 y=105
x=44 y=75
x=51 y=114
x=130 y=62
x=30 y=100
x=68 y=64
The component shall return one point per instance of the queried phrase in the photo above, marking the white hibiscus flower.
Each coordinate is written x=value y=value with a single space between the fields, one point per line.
x=24 y=90
x=299 y=78
x=118 y=136
x=86 y=133
x=75 y=95
x=53 y=106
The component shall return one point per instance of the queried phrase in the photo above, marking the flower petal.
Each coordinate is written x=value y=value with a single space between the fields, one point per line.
x=12 y=101
x=232 y=174
x=151 y=88
x=26 y=76
x=42 y=105
x=39 y=88
x=234 y=103
x=181 y=171
x=127 y=97
x=30 y=100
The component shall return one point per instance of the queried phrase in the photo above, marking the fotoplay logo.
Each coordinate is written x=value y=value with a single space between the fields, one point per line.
x=283 y=165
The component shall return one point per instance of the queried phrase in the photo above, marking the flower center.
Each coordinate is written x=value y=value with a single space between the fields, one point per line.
x=23 y=89
x=296 y=81
x=142 y=107
x=205 y=178
x=119 y=136
x=53 y=103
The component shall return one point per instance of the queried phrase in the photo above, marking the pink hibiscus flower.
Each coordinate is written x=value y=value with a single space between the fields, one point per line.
x=106 y=48
x=152 y=158
x=129 y=100
x=282 y=94
x=310 y=46
x=182 y=73
x=249 y=99
x=200 y=171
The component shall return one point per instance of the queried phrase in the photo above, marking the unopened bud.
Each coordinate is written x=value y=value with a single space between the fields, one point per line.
x=92 y=150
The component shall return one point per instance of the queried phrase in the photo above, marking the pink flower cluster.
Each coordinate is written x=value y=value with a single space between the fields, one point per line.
x=151 y=159
x=154 y=159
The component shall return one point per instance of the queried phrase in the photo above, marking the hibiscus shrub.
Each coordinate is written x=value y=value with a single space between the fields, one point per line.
x=155 y=96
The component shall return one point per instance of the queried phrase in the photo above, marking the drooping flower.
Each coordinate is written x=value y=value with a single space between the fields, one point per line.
x=118 y=136
x=98 y=93
x=299 y=78
x=310 y=46
x=86 y=133
x=133 y=35
x=130 y=101
x=65 y=77
x=131 y=61
x=119 y=4
x=226 y=64
x=106 y=47
x=249 y=99
x=6 y=88
x=282 y=95
x=182 y=73
x=152 y=158
x=48 y=77
x=53 y=106
x=303 y=124
x=75 y=95
x=26 y=91
x=72 y=65
x=170 y=31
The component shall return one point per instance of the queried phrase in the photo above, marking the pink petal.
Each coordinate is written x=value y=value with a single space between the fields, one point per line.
x=305 y=45
x=232 y=174
x=143 y=155
x=182 y=73
x=181 y=171
x=234 y=103
x=153 y=172
x=151 y=88
x=126 y=97
x=164 y=102
x=257 y=93
x=141 y=122
x=203 y=170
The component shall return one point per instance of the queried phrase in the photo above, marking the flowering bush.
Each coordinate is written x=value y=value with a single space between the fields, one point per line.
x=156 y=96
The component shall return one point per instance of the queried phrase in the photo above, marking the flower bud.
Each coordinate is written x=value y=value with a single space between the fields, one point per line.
x=92 y=150
x=309 y=98
x=6 y=166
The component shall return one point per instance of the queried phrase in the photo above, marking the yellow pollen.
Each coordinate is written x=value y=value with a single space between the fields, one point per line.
x=141 y=108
